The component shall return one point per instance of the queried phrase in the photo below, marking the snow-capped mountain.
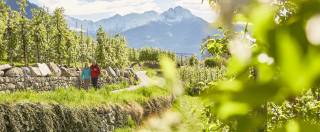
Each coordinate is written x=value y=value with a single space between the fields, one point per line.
x=176 y=15
x=175 y=29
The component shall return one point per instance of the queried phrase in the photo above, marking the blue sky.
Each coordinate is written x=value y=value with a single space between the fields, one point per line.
x=99 y=9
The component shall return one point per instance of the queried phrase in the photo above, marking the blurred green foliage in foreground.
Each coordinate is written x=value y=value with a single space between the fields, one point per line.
x=271 y=82
x=282 y=63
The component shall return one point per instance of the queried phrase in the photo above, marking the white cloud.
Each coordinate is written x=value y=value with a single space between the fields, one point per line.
x=92 y=7
x=85 y=7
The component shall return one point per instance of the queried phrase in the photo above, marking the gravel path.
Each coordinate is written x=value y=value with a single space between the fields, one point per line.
x=144 y=81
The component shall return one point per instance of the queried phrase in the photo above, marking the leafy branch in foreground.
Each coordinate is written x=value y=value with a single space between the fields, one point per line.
x=286 y=59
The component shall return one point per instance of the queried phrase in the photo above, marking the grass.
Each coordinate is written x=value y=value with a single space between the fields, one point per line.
x=188 y=114
x=116 y=86
x=151 y=72
x=74 y=97
x=126 y=129
x=191 y=113
x=17 y=64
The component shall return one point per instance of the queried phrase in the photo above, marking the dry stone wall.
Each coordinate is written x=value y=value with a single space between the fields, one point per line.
x=29 y=117
x=44 y=77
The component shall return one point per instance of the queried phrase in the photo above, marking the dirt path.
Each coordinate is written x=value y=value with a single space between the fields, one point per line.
x=144 y=81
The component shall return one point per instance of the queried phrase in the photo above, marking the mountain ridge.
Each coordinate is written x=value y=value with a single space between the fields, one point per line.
x=14 y=6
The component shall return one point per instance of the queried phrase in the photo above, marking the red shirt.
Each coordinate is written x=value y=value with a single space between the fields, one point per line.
x=95 y=71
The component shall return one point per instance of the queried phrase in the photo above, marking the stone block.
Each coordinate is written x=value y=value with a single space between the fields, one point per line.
x=35 y=72
x=74 y=72
x=26 y=71
x=65 y=72
x=6 y=79
x=20 y=85
x=1 y=73
x=131 y=71
x=126 y=74
x=11 y=86
x=2 y=87
x=14 y=72
x=44 y=69
x=5 y=67
x=117 y=70
x=111 y=72
x=56 y=71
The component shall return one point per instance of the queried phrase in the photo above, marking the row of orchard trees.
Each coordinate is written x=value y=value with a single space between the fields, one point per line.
x=150 y=54
x=111 y=51
x=47 y=38
x=43 y=38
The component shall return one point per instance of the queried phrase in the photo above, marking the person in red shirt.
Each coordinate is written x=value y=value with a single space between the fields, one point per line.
x=95 y=73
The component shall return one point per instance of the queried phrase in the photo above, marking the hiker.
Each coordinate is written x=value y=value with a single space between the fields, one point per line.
x=86 y=76
x=95 y=72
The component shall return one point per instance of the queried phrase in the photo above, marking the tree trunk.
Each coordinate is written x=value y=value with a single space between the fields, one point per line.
x=24 y=43
x=38 y=51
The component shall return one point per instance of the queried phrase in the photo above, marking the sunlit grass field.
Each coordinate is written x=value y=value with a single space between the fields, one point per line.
x=78 y=97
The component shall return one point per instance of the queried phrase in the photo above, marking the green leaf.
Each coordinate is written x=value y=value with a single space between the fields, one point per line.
x=289 y=59
x=263 y=21
x=229 y=109
x=292 y=126
x=230 y=86
x=170 y=73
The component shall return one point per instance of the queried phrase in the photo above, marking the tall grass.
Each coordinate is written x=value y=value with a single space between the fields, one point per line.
x=188 y=114
x=77 y=97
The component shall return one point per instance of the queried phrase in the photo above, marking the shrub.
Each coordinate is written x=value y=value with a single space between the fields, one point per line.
x=196 y=78
x=210 y=62
x=153 y=54
x=214 y=62
x=193 y=60
x=196 y=89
